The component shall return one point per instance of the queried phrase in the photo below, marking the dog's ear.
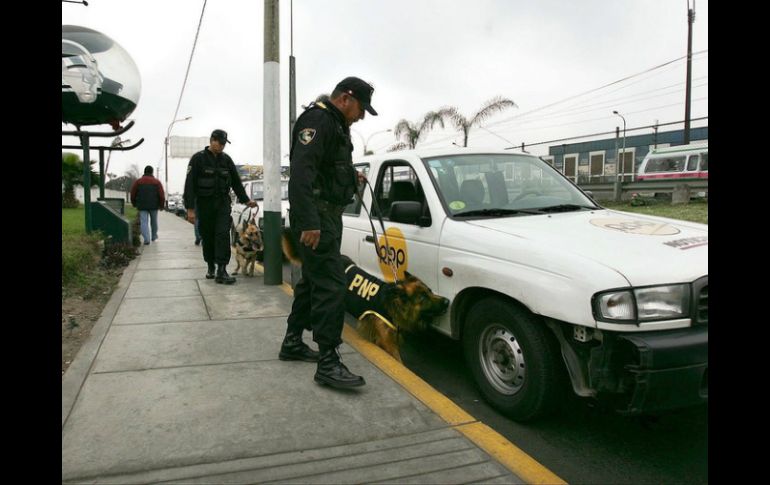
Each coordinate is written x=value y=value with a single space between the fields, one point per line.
x=400 y=292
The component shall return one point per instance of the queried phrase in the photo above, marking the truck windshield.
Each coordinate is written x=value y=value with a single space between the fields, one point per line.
x=502 y=185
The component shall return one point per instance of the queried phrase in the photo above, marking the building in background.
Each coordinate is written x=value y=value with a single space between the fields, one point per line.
x=596 y=161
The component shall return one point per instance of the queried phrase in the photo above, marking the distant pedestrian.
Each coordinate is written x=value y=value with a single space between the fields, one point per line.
x=211 y=174
x=147 y=195
x=323 y=181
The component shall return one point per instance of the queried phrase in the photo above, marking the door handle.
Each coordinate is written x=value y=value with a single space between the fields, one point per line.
x=369 y=239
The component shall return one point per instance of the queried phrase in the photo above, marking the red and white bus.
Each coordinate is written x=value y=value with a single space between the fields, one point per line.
x=676 y=162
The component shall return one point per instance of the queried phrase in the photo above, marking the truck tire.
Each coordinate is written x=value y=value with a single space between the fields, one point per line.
x=513 y=359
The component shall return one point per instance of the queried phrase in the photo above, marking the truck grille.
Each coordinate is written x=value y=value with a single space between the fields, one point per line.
x=701 y=304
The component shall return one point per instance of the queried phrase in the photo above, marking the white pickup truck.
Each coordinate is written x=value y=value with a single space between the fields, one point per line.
x=547 y=288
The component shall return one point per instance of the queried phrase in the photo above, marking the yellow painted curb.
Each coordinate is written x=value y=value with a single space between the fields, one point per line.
x=448 y=410
x=489 y=440
x=508 y=454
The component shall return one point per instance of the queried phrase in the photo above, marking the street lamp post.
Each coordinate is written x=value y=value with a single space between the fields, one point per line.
x=168 y=134
x=622 y=160
x=366 y=142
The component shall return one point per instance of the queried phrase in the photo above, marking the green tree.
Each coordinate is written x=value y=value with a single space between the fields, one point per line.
x=464 y=124
x=72 y=175
x=410 y=133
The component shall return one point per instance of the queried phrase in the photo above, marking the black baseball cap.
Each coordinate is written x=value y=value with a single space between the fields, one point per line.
x=220 y=136
x=359 y=89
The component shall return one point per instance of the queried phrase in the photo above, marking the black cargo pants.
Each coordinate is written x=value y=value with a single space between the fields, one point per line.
x=213 y=214
x=319 y=297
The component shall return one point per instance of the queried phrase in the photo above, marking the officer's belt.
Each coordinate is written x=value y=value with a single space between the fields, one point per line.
x=329 y=208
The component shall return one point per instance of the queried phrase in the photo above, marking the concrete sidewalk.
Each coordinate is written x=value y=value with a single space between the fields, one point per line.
x=180 y=382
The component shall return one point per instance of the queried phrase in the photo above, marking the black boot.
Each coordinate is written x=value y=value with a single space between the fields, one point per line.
x=210 y=272
x=222 y=276
x=333 y=373
x=293 y=348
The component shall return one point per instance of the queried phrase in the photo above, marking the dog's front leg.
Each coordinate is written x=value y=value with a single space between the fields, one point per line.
x=387 y=340
x=238 y=263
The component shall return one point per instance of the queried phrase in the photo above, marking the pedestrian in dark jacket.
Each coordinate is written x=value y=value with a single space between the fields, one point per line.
x=147 y=195
x=323 y=181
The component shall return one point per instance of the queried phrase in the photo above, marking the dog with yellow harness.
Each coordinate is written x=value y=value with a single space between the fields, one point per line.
x=385 y=311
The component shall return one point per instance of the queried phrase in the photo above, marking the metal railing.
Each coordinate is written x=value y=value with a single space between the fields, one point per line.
x=622 y=190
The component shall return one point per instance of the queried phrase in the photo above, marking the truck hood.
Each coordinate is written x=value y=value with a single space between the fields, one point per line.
x=646 y=250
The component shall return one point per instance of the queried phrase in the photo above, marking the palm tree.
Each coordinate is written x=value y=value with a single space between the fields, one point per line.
x=464 y=124
x=412 y=132
x=72 y=175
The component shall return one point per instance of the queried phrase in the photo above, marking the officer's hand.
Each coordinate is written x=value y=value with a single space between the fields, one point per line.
x=361 y=177
x=311 y=238
x=251 y=203
x=191 y=215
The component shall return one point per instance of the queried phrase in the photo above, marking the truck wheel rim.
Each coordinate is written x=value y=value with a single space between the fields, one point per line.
x=502 y=360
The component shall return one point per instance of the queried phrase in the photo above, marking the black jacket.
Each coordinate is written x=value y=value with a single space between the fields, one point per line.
x=321 y=164
x=212 y=176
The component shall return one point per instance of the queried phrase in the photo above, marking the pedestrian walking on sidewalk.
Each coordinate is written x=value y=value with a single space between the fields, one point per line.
x=323 y=181
x=211 y=174
x=147 y=195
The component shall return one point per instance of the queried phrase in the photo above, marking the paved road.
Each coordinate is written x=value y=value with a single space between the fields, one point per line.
x=581 y=443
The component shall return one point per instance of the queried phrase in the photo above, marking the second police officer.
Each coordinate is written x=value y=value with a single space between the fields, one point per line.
x=323 y=181
x=211 y=174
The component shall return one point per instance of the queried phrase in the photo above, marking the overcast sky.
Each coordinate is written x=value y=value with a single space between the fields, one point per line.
x=420 y=55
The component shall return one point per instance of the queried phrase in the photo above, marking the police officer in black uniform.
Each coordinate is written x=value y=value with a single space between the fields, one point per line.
x=323 y=181
x=211 y=174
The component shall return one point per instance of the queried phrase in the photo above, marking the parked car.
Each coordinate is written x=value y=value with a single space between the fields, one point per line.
x=548 y=290
x=180 y=210
x=255 y=189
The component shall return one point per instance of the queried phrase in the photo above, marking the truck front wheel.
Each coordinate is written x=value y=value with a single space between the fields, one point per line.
x=513 y=358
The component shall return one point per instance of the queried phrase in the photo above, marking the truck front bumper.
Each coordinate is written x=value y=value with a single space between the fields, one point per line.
x=669 y=369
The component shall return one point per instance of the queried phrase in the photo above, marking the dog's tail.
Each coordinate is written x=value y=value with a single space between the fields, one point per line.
x=290 y=247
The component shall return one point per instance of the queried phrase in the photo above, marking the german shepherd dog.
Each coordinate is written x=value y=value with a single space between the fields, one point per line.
x=247 y=240
x=383 y=310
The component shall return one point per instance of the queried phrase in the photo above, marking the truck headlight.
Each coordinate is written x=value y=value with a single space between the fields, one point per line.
x=617 y=306
x=643 y=304
x=662 y=302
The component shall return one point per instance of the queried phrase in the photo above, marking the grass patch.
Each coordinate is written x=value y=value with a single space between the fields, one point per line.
x=86 y=264
x=695 y=211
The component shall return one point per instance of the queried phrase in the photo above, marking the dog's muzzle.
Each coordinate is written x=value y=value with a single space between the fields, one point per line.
x=436 y=310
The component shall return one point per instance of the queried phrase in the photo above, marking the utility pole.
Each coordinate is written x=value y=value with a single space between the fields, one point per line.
x=271 y=131
x=623 y=158
x=292 y=74
x=687 y=94
x=655 y=135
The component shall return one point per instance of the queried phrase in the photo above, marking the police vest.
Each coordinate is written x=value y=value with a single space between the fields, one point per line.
x=336 y=178
x=365 y=295
x=213 y=178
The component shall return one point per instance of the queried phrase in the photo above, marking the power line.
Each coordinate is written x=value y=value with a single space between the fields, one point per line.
x=603 y=105
x=596 y=89
x=578 y=122
x=604 y=133
x=189 y=63
x=517 y=117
